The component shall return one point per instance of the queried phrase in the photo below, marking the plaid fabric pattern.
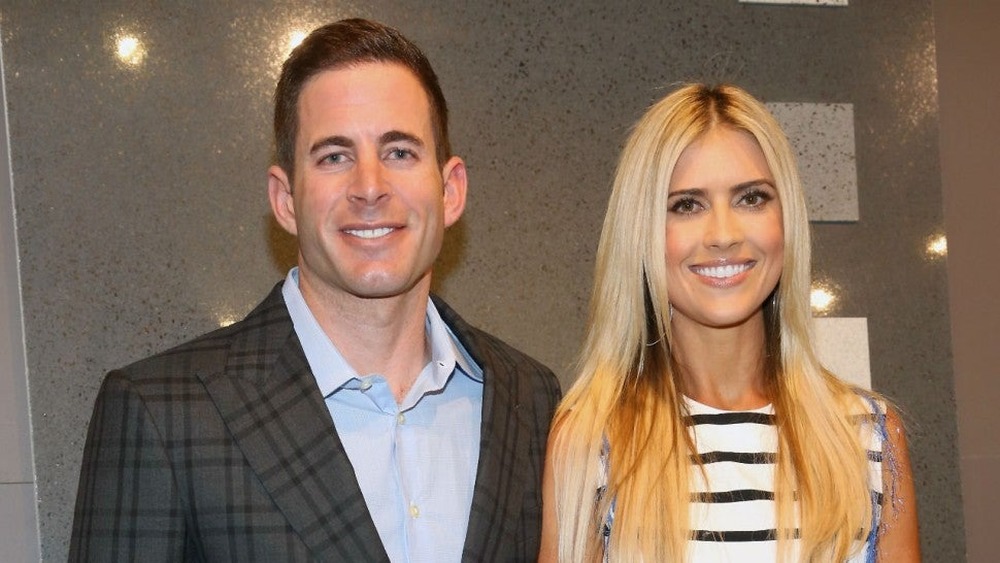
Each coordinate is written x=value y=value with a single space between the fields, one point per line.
x=223 y=450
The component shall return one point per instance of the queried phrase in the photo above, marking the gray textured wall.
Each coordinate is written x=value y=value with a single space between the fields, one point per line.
x=142 y=218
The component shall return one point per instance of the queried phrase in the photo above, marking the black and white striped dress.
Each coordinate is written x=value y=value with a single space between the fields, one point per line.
x=733 y=515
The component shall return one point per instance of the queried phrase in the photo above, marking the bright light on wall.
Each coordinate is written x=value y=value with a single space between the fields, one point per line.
x=295 y=38
x=822 y=298
x=130 y=50
x=937 y=246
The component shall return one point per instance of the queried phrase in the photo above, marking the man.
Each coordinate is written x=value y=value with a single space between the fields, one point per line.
x=349 y=417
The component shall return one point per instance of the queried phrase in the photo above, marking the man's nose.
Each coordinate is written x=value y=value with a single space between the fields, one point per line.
x=369 y=185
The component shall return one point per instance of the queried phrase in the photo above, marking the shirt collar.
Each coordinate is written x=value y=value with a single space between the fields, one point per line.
x=332 y=371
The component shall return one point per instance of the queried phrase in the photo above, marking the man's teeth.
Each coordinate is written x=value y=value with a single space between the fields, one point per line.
x=370 y=233
x=726 y=271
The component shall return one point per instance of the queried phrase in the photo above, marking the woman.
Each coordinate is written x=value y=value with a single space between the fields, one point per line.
x=702 y=426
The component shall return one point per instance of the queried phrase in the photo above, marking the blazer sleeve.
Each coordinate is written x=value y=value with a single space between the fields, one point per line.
x=128 y=506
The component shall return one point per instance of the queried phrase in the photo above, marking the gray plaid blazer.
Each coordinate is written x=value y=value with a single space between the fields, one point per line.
x=222 y=449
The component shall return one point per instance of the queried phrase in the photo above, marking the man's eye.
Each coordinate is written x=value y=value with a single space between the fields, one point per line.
x=335 y=158
x=400 y=154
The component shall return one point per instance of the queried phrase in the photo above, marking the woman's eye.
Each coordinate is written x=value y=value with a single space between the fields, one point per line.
x=755 y=199
x=684 y=206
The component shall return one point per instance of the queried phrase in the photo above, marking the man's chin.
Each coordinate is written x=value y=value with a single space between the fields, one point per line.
x=386 y=287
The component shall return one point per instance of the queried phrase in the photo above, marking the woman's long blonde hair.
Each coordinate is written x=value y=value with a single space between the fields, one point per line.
x=628 y=395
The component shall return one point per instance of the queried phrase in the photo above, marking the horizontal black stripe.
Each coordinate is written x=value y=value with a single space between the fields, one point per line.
x=739 y=495
x=737 y=535
x=730 y=418
x=749 y=458
x=757 y=457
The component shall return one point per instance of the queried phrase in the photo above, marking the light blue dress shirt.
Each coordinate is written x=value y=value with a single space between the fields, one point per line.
x=415 y=461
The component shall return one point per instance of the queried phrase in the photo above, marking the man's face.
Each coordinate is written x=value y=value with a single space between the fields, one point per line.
x=369 y=203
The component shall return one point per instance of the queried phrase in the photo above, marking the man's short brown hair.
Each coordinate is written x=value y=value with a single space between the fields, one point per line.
x=343 y=44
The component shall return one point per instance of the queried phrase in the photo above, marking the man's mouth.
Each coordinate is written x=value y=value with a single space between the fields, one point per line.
x=370 y=233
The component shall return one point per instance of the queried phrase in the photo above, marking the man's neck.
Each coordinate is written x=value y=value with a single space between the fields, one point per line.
x=385 y=336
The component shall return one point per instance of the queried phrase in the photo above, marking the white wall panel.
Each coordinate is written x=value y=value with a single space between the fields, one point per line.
x=843 y=348
x=823 y=138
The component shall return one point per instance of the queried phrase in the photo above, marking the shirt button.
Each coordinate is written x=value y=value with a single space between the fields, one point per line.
x=401 y=418
x=414 y=511
x=366 y=384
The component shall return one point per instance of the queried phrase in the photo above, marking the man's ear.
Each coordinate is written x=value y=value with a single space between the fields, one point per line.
x=279 y=192
x=455 y=186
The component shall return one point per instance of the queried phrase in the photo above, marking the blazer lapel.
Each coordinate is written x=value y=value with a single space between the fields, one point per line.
x=271 y=404
x=503 y=462
x=498 y=496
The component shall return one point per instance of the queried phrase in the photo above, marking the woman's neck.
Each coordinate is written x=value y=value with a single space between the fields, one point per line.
x=722 y=367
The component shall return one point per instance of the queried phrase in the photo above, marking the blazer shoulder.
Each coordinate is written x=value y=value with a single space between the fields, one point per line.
x=503 y=361
x=263 y=331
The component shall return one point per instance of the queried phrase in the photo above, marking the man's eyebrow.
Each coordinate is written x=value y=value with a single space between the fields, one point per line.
x=396 y=136
x=334 y=141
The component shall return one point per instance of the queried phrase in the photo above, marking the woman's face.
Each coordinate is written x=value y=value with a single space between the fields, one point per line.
x=725 y=241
